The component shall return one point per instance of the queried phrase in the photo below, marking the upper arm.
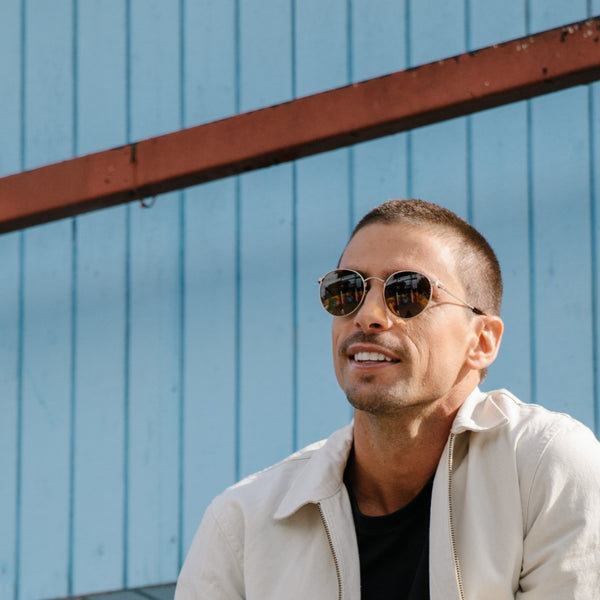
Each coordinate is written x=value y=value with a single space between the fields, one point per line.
x=213 y=567
x=561 y=547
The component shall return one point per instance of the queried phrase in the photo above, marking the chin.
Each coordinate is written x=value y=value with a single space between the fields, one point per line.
x=378 y=404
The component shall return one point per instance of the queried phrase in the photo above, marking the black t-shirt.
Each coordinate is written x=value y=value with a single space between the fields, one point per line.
x=394 y=550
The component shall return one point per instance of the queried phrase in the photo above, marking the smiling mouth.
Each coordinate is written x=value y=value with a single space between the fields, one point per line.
x=371 y=357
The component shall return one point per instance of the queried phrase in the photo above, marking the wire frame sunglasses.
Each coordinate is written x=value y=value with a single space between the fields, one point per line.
x=405 y=293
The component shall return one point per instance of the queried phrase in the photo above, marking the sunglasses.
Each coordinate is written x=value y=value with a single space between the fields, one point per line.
x=405 y=293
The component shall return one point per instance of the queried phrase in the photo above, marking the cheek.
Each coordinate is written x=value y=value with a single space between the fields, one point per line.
x=336 y=339
x=451 y=348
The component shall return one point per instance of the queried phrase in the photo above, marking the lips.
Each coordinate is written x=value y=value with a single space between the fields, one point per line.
x=371 y=354
x=371 y=357
x=370 y=349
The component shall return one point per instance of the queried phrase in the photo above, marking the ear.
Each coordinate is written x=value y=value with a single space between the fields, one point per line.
x=486 y=343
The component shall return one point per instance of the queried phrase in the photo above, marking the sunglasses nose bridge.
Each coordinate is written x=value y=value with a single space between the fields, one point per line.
x=367 y=288
x=372 y=308
x=365 y=279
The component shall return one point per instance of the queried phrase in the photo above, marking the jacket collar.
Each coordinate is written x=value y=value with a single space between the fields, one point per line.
x=479 y=412
x=323 y=474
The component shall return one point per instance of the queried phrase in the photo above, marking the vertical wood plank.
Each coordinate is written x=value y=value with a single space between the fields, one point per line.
x=98 y=520
x=101 y=75
x=10 y=99
x=264 y=53
x=154 y=393
x=98 y=500
x=265 y=305
x=500 y=212
x=498 y=147
x=10 y=422
x=46 y=410
x=562 y=249
x=439 y=152
x=321 y=45
x=379 y=46
x=492 y=22
x=10 y=157
x=563 y=371
x=554 y=13
x=323 y=229
x=209 y=445
x=265 y=296
x=46 y=385
x=210 y=375
x=439 y=165
x=322 y=221
x=437 y=30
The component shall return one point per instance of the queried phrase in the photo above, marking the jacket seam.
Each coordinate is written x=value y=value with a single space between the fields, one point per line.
x=237 y=559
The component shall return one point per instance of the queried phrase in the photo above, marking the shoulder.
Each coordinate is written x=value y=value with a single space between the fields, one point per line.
x=552 y=449
x=534 y=426
x=310 y=473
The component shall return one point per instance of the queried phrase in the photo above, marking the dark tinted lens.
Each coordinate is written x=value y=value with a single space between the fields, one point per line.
x=341 y=292
x=407 y=294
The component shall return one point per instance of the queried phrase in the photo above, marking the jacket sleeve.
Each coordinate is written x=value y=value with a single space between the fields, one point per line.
x=213 y=567
x=561 y=548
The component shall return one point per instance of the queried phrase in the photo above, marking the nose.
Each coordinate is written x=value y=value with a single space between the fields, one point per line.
x=373 y=314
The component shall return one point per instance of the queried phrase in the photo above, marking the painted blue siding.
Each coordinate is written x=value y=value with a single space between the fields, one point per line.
x=149 y=357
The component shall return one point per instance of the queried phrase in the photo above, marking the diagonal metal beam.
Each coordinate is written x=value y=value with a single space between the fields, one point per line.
x=496 y=75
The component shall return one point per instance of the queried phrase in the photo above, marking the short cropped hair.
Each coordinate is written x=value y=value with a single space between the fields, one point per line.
x=478 y=267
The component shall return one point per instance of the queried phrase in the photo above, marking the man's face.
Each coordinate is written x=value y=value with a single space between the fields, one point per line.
x=385 y=364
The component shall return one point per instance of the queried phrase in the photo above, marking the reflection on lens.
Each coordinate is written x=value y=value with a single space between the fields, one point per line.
x=341 y=292
x=407 y=294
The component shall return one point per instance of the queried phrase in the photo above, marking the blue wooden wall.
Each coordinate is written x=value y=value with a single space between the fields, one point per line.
x=149 y=357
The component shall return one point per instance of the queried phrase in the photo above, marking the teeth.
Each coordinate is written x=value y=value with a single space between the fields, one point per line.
x=371 y=356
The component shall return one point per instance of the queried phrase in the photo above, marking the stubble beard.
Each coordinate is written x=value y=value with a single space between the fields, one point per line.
x=377 y=400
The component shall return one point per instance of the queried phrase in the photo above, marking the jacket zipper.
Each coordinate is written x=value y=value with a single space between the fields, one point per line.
x=335 y=558
x=457 y=571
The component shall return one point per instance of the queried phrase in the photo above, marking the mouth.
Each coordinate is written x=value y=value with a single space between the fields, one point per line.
x=370 y=351
x=371 y=358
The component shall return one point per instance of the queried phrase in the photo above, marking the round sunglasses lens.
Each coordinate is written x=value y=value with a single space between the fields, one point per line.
x=407 y=294
x=341 y=292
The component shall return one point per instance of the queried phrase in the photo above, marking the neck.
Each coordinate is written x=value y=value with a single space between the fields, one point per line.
x=395 y=456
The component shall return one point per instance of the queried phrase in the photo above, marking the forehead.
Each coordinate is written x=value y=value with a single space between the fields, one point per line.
x=380 y=249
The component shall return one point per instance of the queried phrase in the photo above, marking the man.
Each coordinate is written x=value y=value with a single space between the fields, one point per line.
x=437 y=490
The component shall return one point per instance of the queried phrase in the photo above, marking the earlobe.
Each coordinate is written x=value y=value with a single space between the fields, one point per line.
x=487 y=342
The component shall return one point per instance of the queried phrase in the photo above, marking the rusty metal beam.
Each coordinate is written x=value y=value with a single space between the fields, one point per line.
x=496 y=75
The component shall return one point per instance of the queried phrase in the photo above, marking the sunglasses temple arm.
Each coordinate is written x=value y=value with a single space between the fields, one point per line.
x=476 y=310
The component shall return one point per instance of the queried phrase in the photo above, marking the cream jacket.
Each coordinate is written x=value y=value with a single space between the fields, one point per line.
x=515 y=513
